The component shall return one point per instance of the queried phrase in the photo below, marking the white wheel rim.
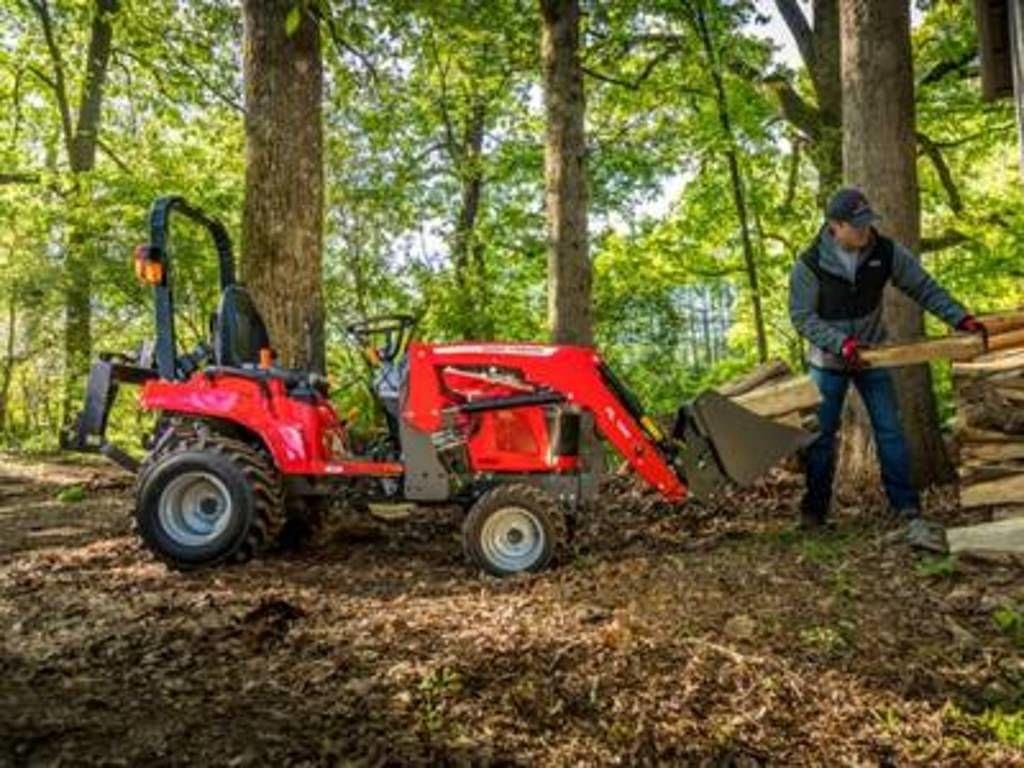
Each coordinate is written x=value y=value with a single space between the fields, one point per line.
x=512 y=539
x=195 y=508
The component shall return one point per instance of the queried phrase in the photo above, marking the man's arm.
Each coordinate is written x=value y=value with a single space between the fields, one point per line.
x=803 y=311
x=910 y=277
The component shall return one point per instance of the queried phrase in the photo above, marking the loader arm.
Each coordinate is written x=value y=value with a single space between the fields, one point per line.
x=576 y=373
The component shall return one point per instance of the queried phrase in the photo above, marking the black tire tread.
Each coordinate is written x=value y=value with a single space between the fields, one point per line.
x=255 y=464
x=520 y=494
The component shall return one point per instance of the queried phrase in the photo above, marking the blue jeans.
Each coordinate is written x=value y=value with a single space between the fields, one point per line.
x=876 y=389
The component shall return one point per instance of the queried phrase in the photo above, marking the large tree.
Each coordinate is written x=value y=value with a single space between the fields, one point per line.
x=282 y=223
x=570 y=313
x=80 y=137
x=879 y=154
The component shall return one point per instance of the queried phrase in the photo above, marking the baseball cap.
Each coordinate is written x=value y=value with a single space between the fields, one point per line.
x=850 y=205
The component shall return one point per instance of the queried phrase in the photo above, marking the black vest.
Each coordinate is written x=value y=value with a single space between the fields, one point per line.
x=838 y=298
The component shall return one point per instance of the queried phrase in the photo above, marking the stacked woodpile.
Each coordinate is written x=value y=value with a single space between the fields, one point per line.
x=990 y=430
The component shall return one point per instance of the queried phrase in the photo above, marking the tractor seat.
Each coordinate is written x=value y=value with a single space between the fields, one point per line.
x=239 y=332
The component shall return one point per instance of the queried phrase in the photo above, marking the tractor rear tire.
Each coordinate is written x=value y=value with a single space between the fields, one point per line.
x=514 y=528
x=203 y=499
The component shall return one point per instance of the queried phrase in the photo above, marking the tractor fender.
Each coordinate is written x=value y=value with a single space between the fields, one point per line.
x=300 y=436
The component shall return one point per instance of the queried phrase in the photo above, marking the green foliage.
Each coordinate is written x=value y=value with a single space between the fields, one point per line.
x=71 y=495
x=1010 y=620
x=936 y=567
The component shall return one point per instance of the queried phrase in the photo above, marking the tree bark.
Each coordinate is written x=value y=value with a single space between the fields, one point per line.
x=282 y=222
x=879 y=155
x=570 y=312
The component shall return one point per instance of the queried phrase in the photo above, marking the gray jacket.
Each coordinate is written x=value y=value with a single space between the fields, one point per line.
x=827 y=336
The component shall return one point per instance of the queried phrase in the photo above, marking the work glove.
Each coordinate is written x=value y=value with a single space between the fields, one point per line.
x=970 y=324
x=851 y=353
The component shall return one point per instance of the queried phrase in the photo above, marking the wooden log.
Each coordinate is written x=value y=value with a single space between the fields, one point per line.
x=960 y=346
x=992 y=453
x=1003 y=322
x=966 y=434
x=1006 y=490
x=1003 y=537
x=763 y=373
x=957 y=346
x=799 y=393
x=1008 y=511
x=976 y=473
x=992 y=413
x=1011 y=380
x=1011 y=394
x=991 y=363
x=1009 y=340
x=791 y=419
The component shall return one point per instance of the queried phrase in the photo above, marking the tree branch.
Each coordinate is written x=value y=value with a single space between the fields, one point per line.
x=800 y=29
x=974 y=136
x=341 y=45
x=792 y=177
x=42 y=11
x=645 y=73
x=802 y=115
x=943 y=68
x=106 y=150
x=929 y=148
x=83 y=150
x=19 y=178
x=939 y=242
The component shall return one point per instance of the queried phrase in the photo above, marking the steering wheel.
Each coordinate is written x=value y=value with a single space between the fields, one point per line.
x=393 y=332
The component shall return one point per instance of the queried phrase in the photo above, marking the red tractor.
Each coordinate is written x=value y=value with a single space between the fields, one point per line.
x=504 y=431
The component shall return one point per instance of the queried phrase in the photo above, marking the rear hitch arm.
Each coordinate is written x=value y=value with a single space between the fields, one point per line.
x=88 y=432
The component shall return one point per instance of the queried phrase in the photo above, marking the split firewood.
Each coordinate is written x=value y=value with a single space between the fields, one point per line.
x=966 y=434
x=992 y=363
x=1003 y=322
x=974 y=472
x=961 y=346
x=992 y=453
x=774 y=369
x=799 y=393
x=1006 y=490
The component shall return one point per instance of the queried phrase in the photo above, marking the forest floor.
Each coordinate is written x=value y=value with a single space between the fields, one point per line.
x=669 y=637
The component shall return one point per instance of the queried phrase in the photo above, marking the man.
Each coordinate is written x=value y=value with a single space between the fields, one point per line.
x=835 y=302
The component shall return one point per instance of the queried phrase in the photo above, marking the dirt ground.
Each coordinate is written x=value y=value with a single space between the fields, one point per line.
x=670 y=637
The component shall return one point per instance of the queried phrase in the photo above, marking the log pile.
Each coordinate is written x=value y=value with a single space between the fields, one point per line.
x=989 y=394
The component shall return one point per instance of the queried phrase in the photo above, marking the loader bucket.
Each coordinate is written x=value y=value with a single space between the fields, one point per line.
x=724 y=442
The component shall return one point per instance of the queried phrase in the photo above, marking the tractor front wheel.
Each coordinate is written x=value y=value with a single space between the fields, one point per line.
x=514 y=528
x=204 y=499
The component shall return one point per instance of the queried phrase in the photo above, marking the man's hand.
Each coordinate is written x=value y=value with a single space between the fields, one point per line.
x=851 y=353
x=971 y=324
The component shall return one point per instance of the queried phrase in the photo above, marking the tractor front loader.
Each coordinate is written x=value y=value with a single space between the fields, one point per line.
x=497 y=429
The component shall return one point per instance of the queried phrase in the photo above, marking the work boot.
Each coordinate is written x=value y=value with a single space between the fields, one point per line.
x=812 y=519
x=926 y=534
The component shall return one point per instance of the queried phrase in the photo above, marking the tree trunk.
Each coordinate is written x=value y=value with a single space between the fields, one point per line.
x=8 y=367
x=735 y=178
x=828 y=150
x=80 y=142
x=467 y=252
x=570 y=313
x=282 y=222
x=879 y=155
